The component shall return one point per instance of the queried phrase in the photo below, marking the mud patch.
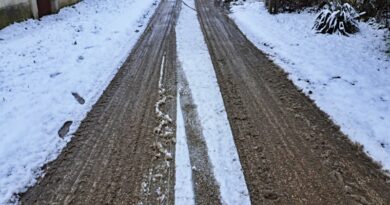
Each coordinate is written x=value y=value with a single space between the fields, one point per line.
x=106 y=161
x=290 y=151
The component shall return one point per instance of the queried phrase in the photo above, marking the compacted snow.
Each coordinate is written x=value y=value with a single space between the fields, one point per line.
x=195 y=60
x=347 y=77
x=42 y=63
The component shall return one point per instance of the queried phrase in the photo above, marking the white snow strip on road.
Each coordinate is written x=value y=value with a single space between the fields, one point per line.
x=42 y=63
x=195 y=59
x=349 y=77
x=184 y=193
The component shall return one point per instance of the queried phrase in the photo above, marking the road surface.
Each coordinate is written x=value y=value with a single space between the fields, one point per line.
x=291 y=153
x=110 y=158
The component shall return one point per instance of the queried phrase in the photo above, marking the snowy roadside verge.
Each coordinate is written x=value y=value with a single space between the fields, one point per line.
x=347 y=77
x=195 y=60
x=42 y=63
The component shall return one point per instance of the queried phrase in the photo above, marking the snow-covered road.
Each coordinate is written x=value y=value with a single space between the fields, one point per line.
x=42 y=63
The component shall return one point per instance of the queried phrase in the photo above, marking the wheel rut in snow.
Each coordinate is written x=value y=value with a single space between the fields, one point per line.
x=205 y=187
x=290 y=151
x=112 y=152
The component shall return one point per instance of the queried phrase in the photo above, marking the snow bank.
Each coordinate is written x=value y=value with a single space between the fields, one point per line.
x=195 y=59
x=42 y=63
x=347 y=77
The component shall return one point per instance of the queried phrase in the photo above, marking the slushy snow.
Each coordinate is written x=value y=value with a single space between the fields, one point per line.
x=347 y=77
x=41 y=63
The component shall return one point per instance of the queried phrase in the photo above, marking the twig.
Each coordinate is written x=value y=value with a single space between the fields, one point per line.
x=185 y=4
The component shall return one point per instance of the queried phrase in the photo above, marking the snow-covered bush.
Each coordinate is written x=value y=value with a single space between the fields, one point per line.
x=233 y=2
x=337 y=18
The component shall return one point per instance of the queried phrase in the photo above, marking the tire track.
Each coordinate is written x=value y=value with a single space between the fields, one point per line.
x=105 y=161
x=290 y=151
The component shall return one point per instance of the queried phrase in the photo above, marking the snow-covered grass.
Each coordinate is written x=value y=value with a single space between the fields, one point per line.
x=347 y=77
x=195 y=60
x=41 y=63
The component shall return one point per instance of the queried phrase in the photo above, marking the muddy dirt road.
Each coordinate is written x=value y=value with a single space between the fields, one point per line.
x=111 y=159
x=290 y=152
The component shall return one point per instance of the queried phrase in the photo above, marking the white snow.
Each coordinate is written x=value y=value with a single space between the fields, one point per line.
x=194 y=57
x=42 y=63
x=184 y=193
x=349 y=76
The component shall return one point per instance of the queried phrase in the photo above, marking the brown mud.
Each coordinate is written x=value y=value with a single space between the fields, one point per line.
x=290 y=151
x=112 y=151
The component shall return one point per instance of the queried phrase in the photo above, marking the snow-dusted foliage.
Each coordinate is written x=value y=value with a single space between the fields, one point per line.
x=234 y=2
x=337 y=18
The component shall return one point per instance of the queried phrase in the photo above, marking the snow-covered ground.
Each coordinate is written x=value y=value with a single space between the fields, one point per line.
x=184 y=192
x=41 y=63
x=195 y=60
x=347 y=77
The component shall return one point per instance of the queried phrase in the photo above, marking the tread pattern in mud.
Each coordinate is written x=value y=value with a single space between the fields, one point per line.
x=106 y=160
x=290 y=151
